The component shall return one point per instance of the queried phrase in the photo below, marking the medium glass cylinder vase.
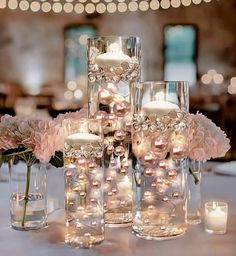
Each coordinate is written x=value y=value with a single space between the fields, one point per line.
x=84 y=174
x=113 y=63
x=194 y=192
x=159 y=141
x=28 y=202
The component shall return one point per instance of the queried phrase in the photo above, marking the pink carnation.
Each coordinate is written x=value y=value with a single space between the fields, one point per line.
x=208 y=140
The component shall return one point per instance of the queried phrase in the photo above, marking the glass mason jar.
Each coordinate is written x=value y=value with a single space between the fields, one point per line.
x=113 y=63
x=28 y=201
x=194 y=192
x=159 y=141
x=84 y=174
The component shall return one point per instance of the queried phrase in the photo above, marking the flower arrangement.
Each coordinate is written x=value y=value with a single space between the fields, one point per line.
x=206 y=141
x=33 y=139
x=42 y=138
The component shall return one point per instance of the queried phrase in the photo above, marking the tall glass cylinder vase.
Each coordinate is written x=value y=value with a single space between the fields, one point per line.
x=113 y=63
x=159 y=141
x=28 y=203
x=84 y=174
x=194 y=192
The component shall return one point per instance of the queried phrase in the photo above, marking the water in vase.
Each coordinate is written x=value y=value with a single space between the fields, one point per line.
x=35 y=211
x=83 y=190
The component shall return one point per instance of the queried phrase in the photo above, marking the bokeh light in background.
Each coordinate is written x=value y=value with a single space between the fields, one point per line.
x=212 y=77
x=232 y=86
x=99 y=6
x=76 y=60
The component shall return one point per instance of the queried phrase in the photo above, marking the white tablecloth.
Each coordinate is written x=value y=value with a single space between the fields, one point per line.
x=120 y=241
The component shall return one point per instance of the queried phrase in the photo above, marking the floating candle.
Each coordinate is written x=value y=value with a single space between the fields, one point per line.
x=159 y=108
x=114 y=57
x=81 y=139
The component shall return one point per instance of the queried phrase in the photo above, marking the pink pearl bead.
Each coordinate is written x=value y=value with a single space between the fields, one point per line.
x=149 y=158
x=162 y=164
x=148 y=172
x=96 y=183
x=92 y=165
x=159 y=145
x=82 y=161
x=101 y=116
x=69 y=173
x=153 y=184
x=172 y=174
x=119 y=151
x=119 y=135
x=105 y=96
x=175 y=194
x=178 y=151
x=121 y=108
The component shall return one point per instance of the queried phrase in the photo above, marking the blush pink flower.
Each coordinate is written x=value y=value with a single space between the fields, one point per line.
x=207 y=140
x=82 y=113
x=42 y=136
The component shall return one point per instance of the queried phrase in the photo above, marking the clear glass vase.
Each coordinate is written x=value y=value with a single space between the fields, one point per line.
x=28 y=201
x=84 y=173
x=159 y=144
x=194 y=192
x=113 y=63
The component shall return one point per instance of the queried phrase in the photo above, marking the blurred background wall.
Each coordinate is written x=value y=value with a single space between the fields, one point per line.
x=32 y=44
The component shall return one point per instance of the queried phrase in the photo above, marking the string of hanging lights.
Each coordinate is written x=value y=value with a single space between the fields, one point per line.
x=95 y=6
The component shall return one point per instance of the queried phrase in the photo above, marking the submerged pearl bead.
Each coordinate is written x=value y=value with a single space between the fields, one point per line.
x=149 y=158
x=119 y=135
x=120 y=151
x=159 y=145
x=105 y=96
x=101 y=115
x=121 y=108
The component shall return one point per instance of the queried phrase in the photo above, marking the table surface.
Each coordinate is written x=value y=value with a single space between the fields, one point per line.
x=120 y=241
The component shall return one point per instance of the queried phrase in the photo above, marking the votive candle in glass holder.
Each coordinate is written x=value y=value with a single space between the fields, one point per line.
x=83 y=163
x=216 y=214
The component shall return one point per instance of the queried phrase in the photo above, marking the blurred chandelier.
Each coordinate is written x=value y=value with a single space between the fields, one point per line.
x=94 y=6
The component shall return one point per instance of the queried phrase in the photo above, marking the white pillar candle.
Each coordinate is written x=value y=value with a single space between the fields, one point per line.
x=216 y=214
x=81 y=139
x=159 y=108
x=114 y=57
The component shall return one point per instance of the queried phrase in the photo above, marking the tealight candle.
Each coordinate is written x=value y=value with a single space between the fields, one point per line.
x=159 y=108
x=216 y=214
x=114 y=57
x=80 y=139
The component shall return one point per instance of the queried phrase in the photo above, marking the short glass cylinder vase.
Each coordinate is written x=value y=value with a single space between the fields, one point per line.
x=194 y=192
x=28 y=201
x=84 y=173
x=159 y=141
x=113 y=63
